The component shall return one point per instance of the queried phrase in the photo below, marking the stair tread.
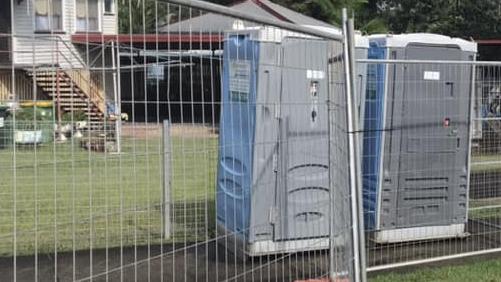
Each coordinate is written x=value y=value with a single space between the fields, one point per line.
x=71 y=97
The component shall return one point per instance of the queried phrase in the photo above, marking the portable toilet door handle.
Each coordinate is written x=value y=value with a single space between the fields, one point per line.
x=313 y=115
x=451 y=88
x=314 y=88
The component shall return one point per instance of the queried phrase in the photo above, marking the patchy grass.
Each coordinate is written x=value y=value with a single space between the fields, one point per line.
x=486 y=163
x=485 y=208
x=60 y=196
x=479 y=271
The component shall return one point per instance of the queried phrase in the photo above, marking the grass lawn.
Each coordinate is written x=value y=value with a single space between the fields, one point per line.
x=68 y=198
x=65 y=197
x=485 y=163
x=479 y=271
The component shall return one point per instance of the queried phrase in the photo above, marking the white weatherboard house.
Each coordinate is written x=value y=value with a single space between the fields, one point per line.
x=38 y=36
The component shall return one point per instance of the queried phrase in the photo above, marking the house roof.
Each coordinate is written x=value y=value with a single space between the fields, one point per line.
x=208 y=27
x=214 y=23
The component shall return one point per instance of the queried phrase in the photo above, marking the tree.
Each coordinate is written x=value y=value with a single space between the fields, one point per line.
x=131 y=20
x=414 y=15
x=365 y=12
x=477 y=19
x=461 y=18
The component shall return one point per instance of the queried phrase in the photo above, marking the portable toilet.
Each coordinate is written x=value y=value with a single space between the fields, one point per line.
x=415 y=161
x=273 y=169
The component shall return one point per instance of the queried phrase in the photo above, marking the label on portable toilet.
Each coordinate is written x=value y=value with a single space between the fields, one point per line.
x=1 y=122
x=431 y=75
x=240 y=71
x=315 y=74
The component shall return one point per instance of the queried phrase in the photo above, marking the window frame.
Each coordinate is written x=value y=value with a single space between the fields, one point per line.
x=112 y=10
x=50 y=14
x=86 y=29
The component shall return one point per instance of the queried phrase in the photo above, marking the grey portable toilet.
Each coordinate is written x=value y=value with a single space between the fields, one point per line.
x=416 y=138
x=273 y=168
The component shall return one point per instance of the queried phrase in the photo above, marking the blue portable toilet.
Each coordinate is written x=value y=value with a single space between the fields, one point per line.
x=273 y=167
x=416 y=138
x=263 y=69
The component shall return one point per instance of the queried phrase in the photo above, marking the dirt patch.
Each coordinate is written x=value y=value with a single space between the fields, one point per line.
x=151 y=131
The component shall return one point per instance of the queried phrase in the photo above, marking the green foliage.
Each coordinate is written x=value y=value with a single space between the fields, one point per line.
x=33 y=118
x=413 y=16
x=373 y=26
x=461 y=18
x=142 y=16
x=365 y=12
x=32 y=114
x=332 y=9
x=75 y=116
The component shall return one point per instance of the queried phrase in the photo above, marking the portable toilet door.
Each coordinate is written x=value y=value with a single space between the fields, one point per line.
x=432 y=157
x=303 y=190
x=416 y=178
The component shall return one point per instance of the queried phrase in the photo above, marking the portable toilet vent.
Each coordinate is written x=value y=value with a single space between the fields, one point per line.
x=273 y=173
x=416 y=138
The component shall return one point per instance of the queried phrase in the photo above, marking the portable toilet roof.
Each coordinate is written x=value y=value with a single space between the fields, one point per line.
x=402 y=40
x=275 y=34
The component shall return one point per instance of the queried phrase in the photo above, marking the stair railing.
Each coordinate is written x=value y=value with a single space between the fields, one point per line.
x=84 y=81
x=80 y=76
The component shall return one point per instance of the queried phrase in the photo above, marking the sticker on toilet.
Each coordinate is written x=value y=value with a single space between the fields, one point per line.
x=431 y=75
x=240 y=71
x=315 y=74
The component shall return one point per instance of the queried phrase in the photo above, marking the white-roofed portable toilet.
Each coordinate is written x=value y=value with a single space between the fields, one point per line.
x=416 y=138
x=273 y=181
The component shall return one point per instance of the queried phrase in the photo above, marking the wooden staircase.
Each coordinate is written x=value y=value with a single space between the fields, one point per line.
x=76 y=91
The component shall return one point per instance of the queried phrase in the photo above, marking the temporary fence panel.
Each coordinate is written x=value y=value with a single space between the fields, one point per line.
x=198 y=143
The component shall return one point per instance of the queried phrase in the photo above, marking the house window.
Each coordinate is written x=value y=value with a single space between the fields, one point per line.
x=48 y=15
x=87 y=15
x=109 y=6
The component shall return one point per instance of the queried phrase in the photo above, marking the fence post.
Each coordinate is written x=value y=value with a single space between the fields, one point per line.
x=471 y=128
x=358 y=246
x=115 y=59
x=166 y=203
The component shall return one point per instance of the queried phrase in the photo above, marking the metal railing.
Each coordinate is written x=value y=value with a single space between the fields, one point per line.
x=239 y=158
